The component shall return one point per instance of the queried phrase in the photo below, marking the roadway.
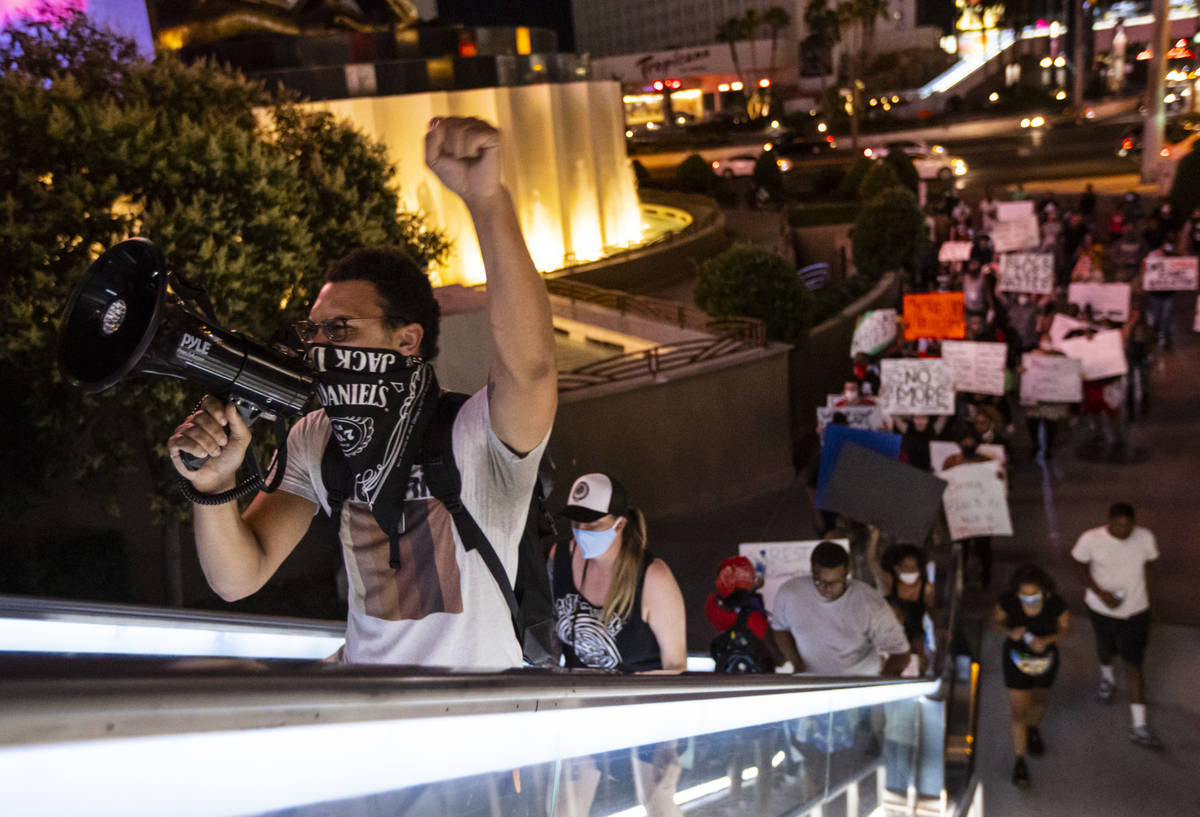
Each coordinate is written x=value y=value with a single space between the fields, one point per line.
x=997 y=150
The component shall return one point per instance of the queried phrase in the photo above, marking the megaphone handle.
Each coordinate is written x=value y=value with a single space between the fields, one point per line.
x=249 y=414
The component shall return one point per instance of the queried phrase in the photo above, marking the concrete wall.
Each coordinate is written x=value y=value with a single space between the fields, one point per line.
x=714 y=434
x=829 y=244
x=820 y=362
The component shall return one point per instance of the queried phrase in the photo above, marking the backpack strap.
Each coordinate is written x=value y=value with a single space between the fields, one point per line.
x=445 y=484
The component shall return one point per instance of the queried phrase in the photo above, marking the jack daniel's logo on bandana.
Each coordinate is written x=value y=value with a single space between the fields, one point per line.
x=378 y=402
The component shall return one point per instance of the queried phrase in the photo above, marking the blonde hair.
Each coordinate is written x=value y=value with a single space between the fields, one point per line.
x=623 y=589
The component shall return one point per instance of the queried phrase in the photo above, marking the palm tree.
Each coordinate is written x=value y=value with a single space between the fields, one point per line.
x=776 y=19
x=861 y=16
x=730 y=32
x=824 y=32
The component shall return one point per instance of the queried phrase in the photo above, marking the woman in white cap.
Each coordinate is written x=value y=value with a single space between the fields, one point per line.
x=618 y=606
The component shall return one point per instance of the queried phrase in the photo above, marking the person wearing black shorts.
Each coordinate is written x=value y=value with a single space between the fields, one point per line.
x=1033 y=617
x=1113 y=562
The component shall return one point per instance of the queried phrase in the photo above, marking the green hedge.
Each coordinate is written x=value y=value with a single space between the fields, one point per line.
x=821 y=215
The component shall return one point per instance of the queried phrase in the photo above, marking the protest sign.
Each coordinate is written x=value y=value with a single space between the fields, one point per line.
x=934 y=315
x=1106 y=300
x=1062 y=326
x=781 y=561
x=952 y=251
x=1016 y=235
x=916 y=386
x=976 y=501
x=1051 y=379
x=874 y=333
x=868 y=417
x=978 y=367
x=1101 y=356
x=1026 y=272
x=942 y=450
x=1014 y=210
x=898 y=498
x=836 y=437
x=1171 y=274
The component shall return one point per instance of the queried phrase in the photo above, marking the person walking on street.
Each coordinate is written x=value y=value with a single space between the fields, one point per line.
x=1113 y=562
x=1034 y=617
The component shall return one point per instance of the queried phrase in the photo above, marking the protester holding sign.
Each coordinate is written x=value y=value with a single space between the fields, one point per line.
x=1043 y=416
x=977 y=547
x=1034 y=617
x=1159 y=301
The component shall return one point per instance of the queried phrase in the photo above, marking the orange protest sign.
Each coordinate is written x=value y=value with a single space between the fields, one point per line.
x=934 y=315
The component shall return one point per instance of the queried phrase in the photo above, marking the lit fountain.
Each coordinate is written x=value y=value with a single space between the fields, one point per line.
x=564 y=162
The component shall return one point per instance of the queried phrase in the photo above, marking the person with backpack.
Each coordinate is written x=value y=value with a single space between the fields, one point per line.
x=618 y=606
x=430 y=567
x=737 y=611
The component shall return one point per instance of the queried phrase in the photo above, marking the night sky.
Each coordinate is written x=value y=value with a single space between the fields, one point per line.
x=555 y=14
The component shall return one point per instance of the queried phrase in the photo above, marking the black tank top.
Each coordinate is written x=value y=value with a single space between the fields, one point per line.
x=913 y=611
x=625 y=645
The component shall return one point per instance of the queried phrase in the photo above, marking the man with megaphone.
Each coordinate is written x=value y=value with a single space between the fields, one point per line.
x=416 y=595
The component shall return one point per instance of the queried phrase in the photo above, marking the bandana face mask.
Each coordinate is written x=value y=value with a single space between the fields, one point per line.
x=376 y=401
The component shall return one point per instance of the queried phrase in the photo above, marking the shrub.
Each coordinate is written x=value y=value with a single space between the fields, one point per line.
x=768 y=175
x=855 y=175
x=879 y=178
x=695 y=175
x=828 y=180
x=747 y=280
x=1185 y=190
x=888 y=233
x=822 y=214
x=902 y=165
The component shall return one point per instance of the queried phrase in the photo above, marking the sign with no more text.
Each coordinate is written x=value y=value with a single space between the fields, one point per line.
x=916 y=386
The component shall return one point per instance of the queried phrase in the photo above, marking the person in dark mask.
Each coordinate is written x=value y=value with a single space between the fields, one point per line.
x=417 y=596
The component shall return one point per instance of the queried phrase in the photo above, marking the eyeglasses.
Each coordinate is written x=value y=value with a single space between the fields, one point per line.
x=335 y=329
x=822 y=585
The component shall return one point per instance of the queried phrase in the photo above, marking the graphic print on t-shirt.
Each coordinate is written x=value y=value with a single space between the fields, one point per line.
x=579 y=625
x=428 y=580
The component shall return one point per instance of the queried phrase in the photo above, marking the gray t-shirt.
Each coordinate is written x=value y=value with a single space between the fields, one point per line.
x=842 y=637
x=442 y=607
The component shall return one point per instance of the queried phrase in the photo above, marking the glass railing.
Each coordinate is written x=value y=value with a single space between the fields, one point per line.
x=225 y=718
x=128 y=736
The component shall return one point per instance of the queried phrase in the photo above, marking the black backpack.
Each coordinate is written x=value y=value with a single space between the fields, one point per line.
x=529 y=601
x=739 y=650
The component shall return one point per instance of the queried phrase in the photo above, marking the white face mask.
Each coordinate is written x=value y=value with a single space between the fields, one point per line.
x=911 y=578
x=1046 y=346
x=1030 y=600
x=850 y=396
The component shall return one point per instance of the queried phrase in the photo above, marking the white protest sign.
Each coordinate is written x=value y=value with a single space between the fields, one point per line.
x=1102 y=355
x=868 y=417
x=1026 y=272
x=976 y=500
x=1017 y=235
x=1171 y=274
x=916 y=386
x=952 y=251
x=978 y=367
x=876 y=329
x=1014 y=210
x=1062 y=326
x=1106 y=300
x=1051 y=379
x=942 y=450
x=782 y=561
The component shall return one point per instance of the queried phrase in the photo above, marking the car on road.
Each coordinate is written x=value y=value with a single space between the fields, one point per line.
x=931 y=161
x=791 y=149
x=730 y=166
x=1178 y=138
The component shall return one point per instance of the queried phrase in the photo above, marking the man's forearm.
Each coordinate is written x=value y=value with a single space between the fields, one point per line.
x=518 y=305
x=230 y=554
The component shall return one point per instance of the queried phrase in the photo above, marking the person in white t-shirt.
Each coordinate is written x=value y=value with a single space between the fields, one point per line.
x=832 y=624
x=1113 y=561
x=416 y=595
